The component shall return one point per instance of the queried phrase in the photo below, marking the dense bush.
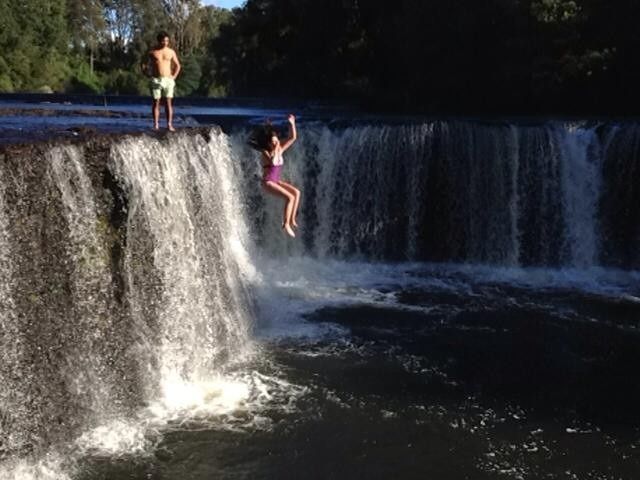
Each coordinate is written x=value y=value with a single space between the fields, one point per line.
x=125 y=82
x=83 y=80
x=190 y=76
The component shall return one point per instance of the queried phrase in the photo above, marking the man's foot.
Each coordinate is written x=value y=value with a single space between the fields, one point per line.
x=294 y=224
x=156 y=127
x=289 y=230
x=170 y=128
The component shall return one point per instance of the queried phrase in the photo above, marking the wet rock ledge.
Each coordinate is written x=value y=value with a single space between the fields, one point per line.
x=51 y=280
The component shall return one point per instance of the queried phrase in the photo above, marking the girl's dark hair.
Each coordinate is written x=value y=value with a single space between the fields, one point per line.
x=260 y=137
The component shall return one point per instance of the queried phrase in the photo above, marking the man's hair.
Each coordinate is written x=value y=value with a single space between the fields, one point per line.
x=161 y=36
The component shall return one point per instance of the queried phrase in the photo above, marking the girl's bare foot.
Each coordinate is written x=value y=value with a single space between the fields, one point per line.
x=294 y=224
x=289 y=230
x=170 y=128
x=156 y=127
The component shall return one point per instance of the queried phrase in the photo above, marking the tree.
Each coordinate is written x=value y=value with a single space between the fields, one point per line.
x=213 y=19
x=121 y=17
x=448 y=56
x=190 y=75
x=35 y=45
x=185 y=18
x=87 y=26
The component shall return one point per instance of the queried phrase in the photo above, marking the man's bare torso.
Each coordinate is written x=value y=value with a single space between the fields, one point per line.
x=161 y=62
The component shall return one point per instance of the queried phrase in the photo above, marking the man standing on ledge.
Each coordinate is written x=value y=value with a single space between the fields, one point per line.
x=162 y=67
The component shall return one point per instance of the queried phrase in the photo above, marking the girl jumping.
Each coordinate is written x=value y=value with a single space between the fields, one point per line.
x=266 y=140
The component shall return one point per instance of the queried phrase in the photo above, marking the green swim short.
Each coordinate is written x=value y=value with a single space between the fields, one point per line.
x=162 y=87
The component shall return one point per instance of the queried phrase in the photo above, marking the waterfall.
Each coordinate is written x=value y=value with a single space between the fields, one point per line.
x=514 y=199
x=191 y=312
x=581 y=167
x=128 y=264
x=14 y=414
x=491 y=193
x=124 y=275
x=95 y=383
x=58 y=350
x=620 y=196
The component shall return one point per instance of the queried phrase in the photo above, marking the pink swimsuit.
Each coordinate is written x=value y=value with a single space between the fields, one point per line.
x=271 y=173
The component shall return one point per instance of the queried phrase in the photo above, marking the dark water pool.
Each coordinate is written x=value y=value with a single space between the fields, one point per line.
x=485 y=381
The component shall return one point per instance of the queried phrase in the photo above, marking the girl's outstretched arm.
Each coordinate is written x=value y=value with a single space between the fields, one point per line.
x=293 y=134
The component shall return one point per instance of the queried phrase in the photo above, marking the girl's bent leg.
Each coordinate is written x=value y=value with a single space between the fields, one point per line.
x=275 y=189
x=296 y=200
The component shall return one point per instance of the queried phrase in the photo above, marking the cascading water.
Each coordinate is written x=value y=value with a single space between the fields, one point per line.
x=128 y=268
x=581 y=166
x=124 y=286
x=14 y=412
x=620 y=196
x=508 y=195
x=192 y=311
x=92 y=379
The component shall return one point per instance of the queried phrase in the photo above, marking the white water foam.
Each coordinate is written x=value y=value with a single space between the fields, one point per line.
x=51 y=467
x=185 y=194
x=234 y=402
x=301 y=286
x=177 y=193
x=188 y=400
x=116 y=439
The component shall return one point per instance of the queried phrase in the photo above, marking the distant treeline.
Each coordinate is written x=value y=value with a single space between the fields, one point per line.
x=440 y=56
x=96 y=46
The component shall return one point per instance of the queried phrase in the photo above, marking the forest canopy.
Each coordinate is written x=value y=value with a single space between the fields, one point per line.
x=440 y=56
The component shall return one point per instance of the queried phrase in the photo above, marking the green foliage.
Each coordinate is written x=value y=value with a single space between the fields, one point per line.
x=5 y=83
x=549 y=11
x=83 y=80
x=185 y=22
x=217 y=91
x=4 y=67
x=433 y=55
x=430 y=55
x=124 y=82
x=34 y=39
x=52 y=71
x=86 y=23
x=189 y=79
x=214 y=19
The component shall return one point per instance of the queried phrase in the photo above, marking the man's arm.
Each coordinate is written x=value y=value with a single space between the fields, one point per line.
x=176 y=64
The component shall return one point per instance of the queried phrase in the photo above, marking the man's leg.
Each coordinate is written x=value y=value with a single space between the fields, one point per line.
x=169 y=111
x=155 y=109
x=169 y=85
